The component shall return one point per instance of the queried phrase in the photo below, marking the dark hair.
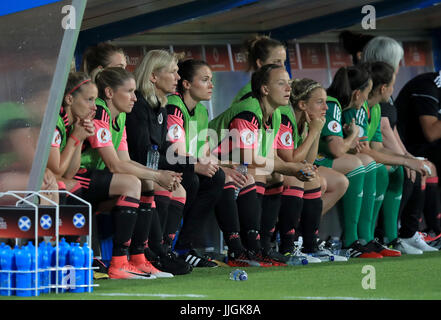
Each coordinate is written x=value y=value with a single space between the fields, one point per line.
x=259 y=47
x=113 y=77
x=301 y=89
x=347 y=80
x=99 y=55
x=261 y=77
x=74 y=83
x=187 y=71
x=381 y=73
x=353 y=43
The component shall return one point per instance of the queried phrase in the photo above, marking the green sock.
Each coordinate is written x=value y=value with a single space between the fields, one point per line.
x=381 y=184
x=391 y=204
x=351 y=205
x=367 y=207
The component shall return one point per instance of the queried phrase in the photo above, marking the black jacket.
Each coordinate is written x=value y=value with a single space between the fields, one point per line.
x=147 y=126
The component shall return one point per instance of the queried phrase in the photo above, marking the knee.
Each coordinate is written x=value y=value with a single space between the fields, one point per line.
x=432 y=167
x=347 y=163
x=147 y=185
x=316 y=182
x=365 y=159
x=251 y=180
x=342 y=183
x=357 y=163
x=323 y=184
x=274 y=178
x=338 y=182
x=131 y=186
x=219 y=178
x=49 y=180
x=190 y=182
x=353 y=162
x=180 y=192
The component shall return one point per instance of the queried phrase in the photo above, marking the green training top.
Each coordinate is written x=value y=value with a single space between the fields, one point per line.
x=368 y=120
x=265 y=137
x=90 y=157
x=62 y=129
x=374 y=127
x=361 y=120
x=332 y=126
x=289 y=112
x=194 y=125
x=246 y=89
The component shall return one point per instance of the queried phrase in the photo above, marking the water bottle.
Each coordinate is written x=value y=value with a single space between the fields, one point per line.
x=153 y=157
x=23 y=278
x=242 y=168
x=44 y=262
x=51 y=262
x=30 y=247
x=76 y=259
x=63 y=261
x=63 y=252
x=297 y=260
x=14 y=268
x=88 y=274
x=47 y=271
x=51 y=274
x=6 y=256
x=334 y=245
x=238 y=275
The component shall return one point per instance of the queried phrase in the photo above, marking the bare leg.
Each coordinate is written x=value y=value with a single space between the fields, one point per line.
x=336 y=186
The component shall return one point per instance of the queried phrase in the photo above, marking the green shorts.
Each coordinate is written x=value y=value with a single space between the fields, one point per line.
x=321 y=160
x=392 y=169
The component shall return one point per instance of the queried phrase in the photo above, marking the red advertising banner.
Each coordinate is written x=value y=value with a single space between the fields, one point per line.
x=292 y=55
x=239 y=58
x=148 y=48
x=17 y=223
x=134 y=56
x=313 y=55
x=191 y=52
x=20 y=222
x=338 y=57
x=217 y=58
x=416 y=54
x=74 y=220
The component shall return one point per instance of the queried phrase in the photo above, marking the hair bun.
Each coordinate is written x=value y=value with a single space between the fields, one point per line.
x=95 y=72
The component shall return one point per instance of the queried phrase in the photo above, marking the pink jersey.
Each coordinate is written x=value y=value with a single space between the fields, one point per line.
x=284 y=137
x=56 y=140
x=103 y=134
x=175 y=126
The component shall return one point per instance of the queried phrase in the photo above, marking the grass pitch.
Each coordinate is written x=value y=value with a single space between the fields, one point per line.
x=408 y=277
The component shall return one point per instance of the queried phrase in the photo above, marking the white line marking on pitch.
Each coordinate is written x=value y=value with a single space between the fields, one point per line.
x=335 y=298
x=161 y=295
